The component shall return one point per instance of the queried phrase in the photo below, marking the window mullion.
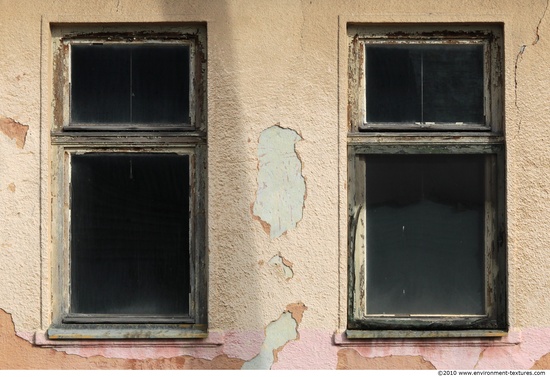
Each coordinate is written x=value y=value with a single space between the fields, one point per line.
x=131 y=94
x=422 y=87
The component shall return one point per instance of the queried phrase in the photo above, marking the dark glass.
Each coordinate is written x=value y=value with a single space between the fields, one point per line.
x=393 y=84
x=160 y=84
x=100 y=84
x=140 y=84
x=425 y=234
x=425 y=83
x=130 y=234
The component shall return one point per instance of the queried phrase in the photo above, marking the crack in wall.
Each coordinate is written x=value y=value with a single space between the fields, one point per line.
x=518 y=59
x=303 y=25
x=537 y=36
x=480 y=357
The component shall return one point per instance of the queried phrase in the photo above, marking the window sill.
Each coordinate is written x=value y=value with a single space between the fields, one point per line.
x=452 y=338
x=98 y=332
x=392 y=334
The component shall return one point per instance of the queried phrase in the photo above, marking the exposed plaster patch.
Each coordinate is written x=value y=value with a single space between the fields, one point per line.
x=284 y=265
x=351 y=359
x=17 y=353
x=277 y=334
x=11 y=187
x=281 y=185
x=297 y=310
x=266 y=226
x=13 y=130
x=542 y=363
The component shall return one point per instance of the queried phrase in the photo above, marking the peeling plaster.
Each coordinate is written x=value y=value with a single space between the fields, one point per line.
x=281 y=185
x=350 y=359
x=17 y=353
x=14 y=130
x=277 y=334
x=284 y=265
x=542 y=363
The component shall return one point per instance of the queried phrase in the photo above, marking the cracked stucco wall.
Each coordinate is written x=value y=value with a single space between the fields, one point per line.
x=277 y=90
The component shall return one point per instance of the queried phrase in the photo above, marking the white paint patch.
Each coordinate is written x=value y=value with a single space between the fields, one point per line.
x=277 y=334
x=281 y=186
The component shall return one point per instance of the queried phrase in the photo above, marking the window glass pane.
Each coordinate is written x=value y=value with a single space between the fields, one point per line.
x=424 y=83
x=130 y=84
x=100 y=84
x=453 y=83
x=425 y=234
x=393 y=84
x=130 y=234
x=160 y=84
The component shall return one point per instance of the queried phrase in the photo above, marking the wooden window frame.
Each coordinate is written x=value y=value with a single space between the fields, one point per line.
x=489 y=36
x=70 y=139
x=412 y=138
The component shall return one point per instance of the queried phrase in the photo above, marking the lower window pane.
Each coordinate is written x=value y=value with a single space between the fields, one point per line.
x=425 y=234
x=130 y=234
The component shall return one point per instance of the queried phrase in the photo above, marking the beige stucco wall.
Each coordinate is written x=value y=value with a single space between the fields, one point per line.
x=273 y=63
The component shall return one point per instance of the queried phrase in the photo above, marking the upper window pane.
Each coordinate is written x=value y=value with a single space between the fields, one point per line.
x=425 y=83
x=130 y=84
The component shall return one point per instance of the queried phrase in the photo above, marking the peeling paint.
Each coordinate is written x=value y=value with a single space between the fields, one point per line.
x=281 y=185
x=297 y=311
x=277 y=334
x=543 y=363
x=14 y=130
x=284 y=266
x=350 y=359
x=17 y=353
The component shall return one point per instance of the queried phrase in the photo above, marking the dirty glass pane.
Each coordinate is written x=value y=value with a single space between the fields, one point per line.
x=424 y=83
x=160 y=84
x=142 y=84
x=100 y=85
x=130 y=234
x=425 y=234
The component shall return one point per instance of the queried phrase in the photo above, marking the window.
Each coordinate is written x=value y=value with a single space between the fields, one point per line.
x=426 y=181
x=129 y=171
